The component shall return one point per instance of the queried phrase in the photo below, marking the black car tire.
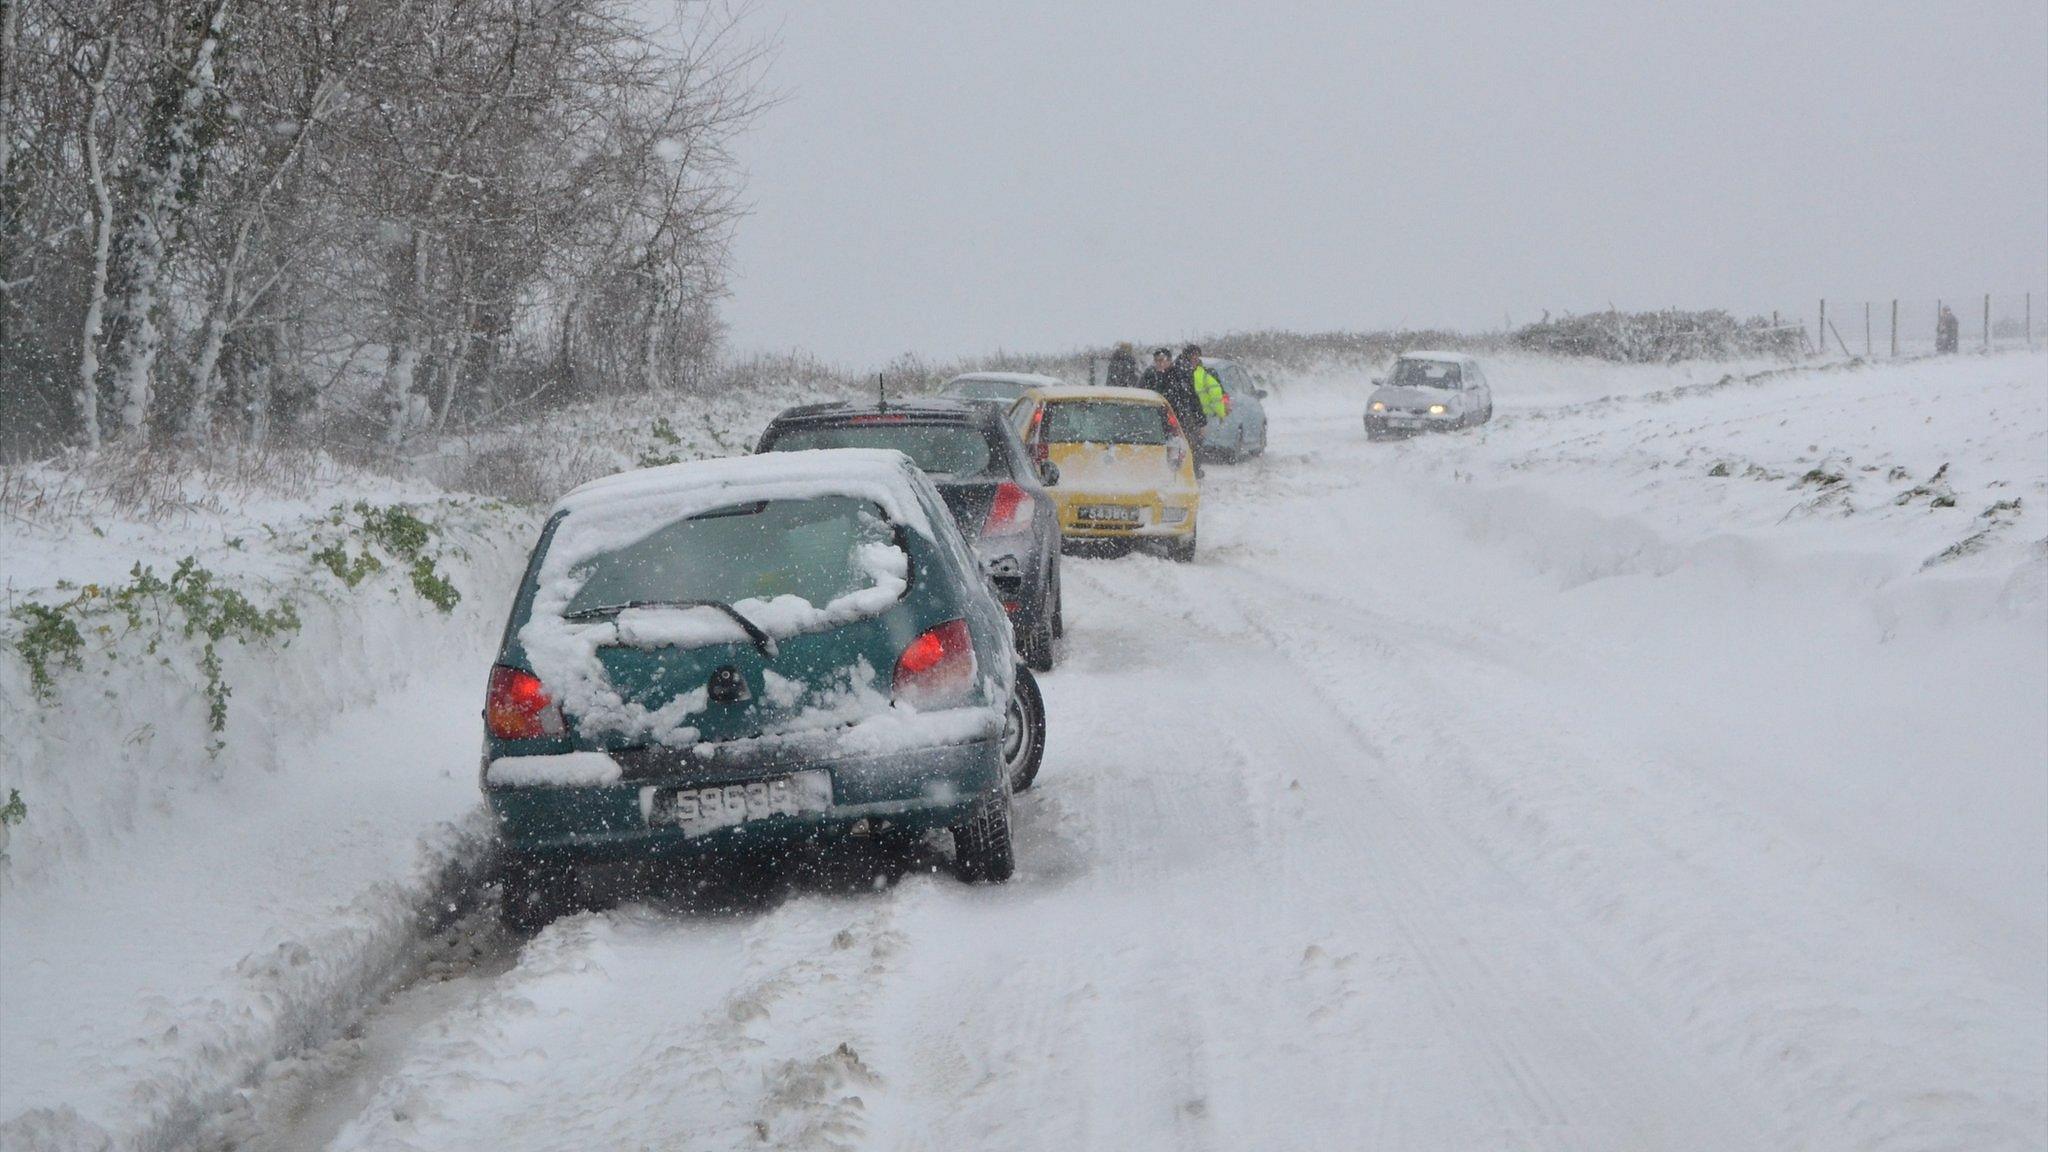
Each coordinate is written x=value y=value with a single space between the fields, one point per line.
x=983 y=849
x=1372 y=433
x=1034 y=646
x=1183 y=551
x=1024 y=732
x=532 y=896
x=1059 y=604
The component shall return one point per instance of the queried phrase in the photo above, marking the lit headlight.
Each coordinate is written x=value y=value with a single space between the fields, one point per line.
x=1436 y=409
x=1379 y=406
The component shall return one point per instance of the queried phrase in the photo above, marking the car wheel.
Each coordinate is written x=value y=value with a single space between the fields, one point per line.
x=983 y=850
x=532 y=896
x=1182 y=551
x=1024 y=732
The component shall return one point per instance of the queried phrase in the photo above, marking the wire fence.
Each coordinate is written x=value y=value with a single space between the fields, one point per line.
x=1921 y=326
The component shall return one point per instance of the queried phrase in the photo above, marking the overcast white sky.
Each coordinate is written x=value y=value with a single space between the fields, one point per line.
x=950 y=177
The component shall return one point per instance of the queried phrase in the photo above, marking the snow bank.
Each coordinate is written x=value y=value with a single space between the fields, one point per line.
x=1739 y=675
x=180 y=907
x=172 y=919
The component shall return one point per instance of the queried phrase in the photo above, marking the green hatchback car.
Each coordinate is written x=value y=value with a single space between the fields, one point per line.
x=730 y=655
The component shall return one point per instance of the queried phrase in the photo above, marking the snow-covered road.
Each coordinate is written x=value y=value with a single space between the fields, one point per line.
x=1540 y=787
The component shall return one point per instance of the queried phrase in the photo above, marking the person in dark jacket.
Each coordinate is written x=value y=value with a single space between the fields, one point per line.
x=1123 y=367
x=1156 y=376
x=1181 y=392
x=1948 y=331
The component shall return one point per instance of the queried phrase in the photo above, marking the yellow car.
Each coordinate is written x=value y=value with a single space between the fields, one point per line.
x=1124 y=470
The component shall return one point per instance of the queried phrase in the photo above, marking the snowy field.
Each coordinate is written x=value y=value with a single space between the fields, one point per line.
x=1663 y=766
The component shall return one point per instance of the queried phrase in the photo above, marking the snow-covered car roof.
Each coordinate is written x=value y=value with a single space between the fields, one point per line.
x=1027 y=379
x=656 y=496
x=1096 y=392
x=1447 y=357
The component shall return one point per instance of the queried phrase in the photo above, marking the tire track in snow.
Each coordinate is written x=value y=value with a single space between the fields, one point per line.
x=1547 y=1076
x=1804 y=1000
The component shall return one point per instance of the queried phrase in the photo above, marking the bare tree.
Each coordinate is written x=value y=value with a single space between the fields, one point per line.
x=88 y=396
x=391 y=217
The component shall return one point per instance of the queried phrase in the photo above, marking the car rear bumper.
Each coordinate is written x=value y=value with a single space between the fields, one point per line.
x=926 y=787
x=1155 y=516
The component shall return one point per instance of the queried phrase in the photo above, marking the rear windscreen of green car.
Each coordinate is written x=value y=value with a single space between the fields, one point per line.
x=937 y=449
x=808 y=548
x=1103 y=422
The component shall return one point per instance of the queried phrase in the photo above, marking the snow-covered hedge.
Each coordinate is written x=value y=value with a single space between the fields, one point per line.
x=1661 y=337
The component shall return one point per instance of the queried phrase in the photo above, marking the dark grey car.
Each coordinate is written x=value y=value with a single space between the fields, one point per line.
x=996 y=495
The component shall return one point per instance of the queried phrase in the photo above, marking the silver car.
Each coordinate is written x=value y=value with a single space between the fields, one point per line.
x=1428 y=391
x=1241 y=433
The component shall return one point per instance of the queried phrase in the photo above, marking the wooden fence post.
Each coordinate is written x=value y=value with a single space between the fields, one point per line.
x=1987 y=321
x=1866 y=329
x=1895 y=328
x=1820 y=331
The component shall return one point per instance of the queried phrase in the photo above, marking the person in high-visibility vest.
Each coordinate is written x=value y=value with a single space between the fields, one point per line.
x=1208 y=389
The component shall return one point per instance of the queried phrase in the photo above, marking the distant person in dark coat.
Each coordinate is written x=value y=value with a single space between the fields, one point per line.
x=1948 y=331
x=1123 y=367
x=1175 y=380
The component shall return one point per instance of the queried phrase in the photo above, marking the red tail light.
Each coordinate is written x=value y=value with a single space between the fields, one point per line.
x=1032 y=434
x=517 y=708
x=938 y=668
x=1176 y=441
x=1009 y=513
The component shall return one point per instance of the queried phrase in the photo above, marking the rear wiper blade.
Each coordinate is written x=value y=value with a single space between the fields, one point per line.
x=762 y=641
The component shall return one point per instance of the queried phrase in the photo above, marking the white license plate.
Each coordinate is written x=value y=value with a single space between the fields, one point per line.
x=707 y=809
x=1120 y=513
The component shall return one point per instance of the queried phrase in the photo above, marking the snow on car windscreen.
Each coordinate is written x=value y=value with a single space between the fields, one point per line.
x=1425 y=374
x=1103 y=422
x=817 y=549
x=937 y=449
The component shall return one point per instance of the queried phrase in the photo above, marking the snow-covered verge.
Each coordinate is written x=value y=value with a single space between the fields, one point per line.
x=183 y=903
x=1847 y=567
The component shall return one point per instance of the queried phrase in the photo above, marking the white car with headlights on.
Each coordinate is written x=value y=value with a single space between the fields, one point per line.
x=1428 y=391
